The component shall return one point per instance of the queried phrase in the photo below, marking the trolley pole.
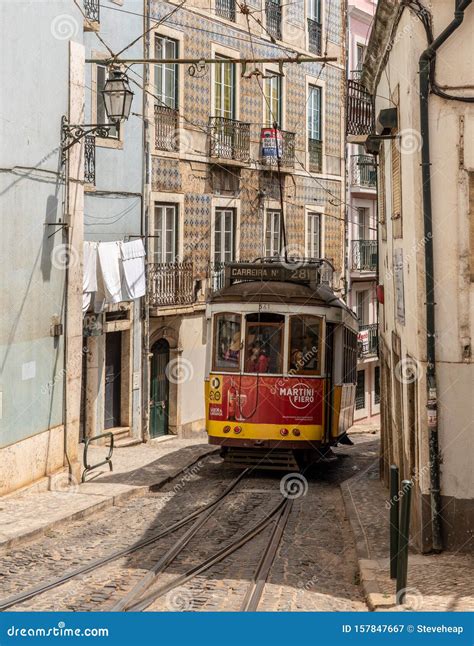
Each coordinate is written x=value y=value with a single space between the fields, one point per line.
x=402 y=561
x=394 y=520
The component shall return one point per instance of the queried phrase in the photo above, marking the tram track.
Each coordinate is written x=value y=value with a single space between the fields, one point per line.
x=96 y=564
x=140 y=597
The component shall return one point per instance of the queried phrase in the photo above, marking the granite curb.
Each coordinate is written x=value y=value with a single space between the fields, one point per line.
x=376 y=599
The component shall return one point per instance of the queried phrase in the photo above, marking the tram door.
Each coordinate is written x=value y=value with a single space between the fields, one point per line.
x=159 y=396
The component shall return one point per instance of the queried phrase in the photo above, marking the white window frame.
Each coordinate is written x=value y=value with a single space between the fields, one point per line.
x=315 y=110
x=219 y=80
x=273 y=89
x=312 y=14
x=225 y=255
x=162 y=254
x=167 y=69
x=274 y=231
x=311 y=217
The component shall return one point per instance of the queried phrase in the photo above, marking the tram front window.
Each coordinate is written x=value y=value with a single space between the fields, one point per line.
x=227 y=342
x=264 y=343
x=305 y=335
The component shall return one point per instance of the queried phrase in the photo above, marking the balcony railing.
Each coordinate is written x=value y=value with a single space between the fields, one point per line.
x=226 y=9
x=314 y=36
x=170 y=283
x=229 y=139
x=315 y=149
x=363 y=172
x=92 y=10
x=364 y=255
x=166 y=128
x=280 y=145
x=89 y=159
x=216 y=275
x=360 y=110
x=273 y=18
x=368 y=340
x=356 y=75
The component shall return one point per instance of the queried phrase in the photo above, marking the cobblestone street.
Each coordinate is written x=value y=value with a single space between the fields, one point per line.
x=315 y=567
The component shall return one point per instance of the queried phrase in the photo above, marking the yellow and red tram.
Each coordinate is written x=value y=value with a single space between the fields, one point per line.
x=281 y=363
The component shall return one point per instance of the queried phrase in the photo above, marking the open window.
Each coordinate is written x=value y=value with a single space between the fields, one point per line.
x=305 y=345
x=264 y=343
x=227 y=342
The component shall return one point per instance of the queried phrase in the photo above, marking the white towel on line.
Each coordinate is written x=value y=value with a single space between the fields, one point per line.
x=90 y=267
x=133 y=266
x=109 y=261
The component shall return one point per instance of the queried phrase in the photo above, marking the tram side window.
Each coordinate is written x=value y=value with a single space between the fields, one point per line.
x=264 y=343
x=305 y=336
x=227 y=342
x=350 y=357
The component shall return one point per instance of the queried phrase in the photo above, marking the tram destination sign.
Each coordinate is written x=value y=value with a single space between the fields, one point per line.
x=272 y=272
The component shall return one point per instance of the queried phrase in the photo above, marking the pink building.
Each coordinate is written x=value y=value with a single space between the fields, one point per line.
x=362 y=230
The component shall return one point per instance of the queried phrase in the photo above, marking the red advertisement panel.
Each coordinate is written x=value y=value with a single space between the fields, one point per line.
x=266 y=400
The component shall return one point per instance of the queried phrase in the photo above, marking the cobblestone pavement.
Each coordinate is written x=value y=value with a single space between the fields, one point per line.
x=436 y=582
x=136 y=468
x=315 y=567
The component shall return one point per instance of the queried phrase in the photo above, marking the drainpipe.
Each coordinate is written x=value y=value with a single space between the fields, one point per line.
x=146 y=170
x=424 y=64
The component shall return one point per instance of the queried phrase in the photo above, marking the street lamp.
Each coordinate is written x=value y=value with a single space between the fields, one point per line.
x=117 y=97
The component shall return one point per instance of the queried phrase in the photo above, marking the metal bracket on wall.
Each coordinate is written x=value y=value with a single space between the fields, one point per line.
x=72 y=134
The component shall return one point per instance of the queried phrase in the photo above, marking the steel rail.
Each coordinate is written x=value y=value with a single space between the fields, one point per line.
x=257 y=585
x=97 y=563
x=212 y=560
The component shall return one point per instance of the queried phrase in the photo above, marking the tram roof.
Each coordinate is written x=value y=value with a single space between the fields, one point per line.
x=279 y=292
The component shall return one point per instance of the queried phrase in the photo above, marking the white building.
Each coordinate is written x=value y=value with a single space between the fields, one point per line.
x=418 y=67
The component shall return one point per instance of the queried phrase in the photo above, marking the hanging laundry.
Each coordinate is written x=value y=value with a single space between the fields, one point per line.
x=89 y=285
x=133 y=265
x=110 y=261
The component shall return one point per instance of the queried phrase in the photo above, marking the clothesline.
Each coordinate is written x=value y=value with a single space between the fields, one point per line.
x=113 y=272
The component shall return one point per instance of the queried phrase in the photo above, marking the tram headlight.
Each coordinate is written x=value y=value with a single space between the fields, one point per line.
x=226 y=429
x=283 y=432
x=296 y=432
x=237 y=429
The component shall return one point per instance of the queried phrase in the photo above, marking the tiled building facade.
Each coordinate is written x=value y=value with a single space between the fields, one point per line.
x=214 y=198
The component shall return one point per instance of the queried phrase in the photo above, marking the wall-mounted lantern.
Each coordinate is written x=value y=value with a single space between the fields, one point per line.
x=117 y=97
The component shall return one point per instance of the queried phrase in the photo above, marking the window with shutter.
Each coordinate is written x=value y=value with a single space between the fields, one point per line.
x=381 y=196
x=471 y=225
x=396 y=160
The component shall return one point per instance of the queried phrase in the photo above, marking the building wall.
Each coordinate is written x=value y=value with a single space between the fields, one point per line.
x=452 y=157
x=183 y=177
x=360 y=17
x=113 y=210
x=36 y=373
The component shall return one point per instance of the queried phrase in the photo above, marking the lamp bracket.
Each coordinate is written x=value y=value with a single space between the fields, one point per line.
x=72 y=134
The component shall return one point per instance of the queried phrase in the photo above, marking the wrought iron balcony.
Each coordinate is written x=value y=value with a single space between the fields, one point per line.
x=226 y=9
x=89 y=159
x=273 y=18
x=363 y=171
x=368 y=340
x=360 y=110
x=282 y=145
x=315 y=149
x=166 y=128
x=364 y=255
x=229 y=139
x=92 y=10
x=170 y=283
x=314 y=36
